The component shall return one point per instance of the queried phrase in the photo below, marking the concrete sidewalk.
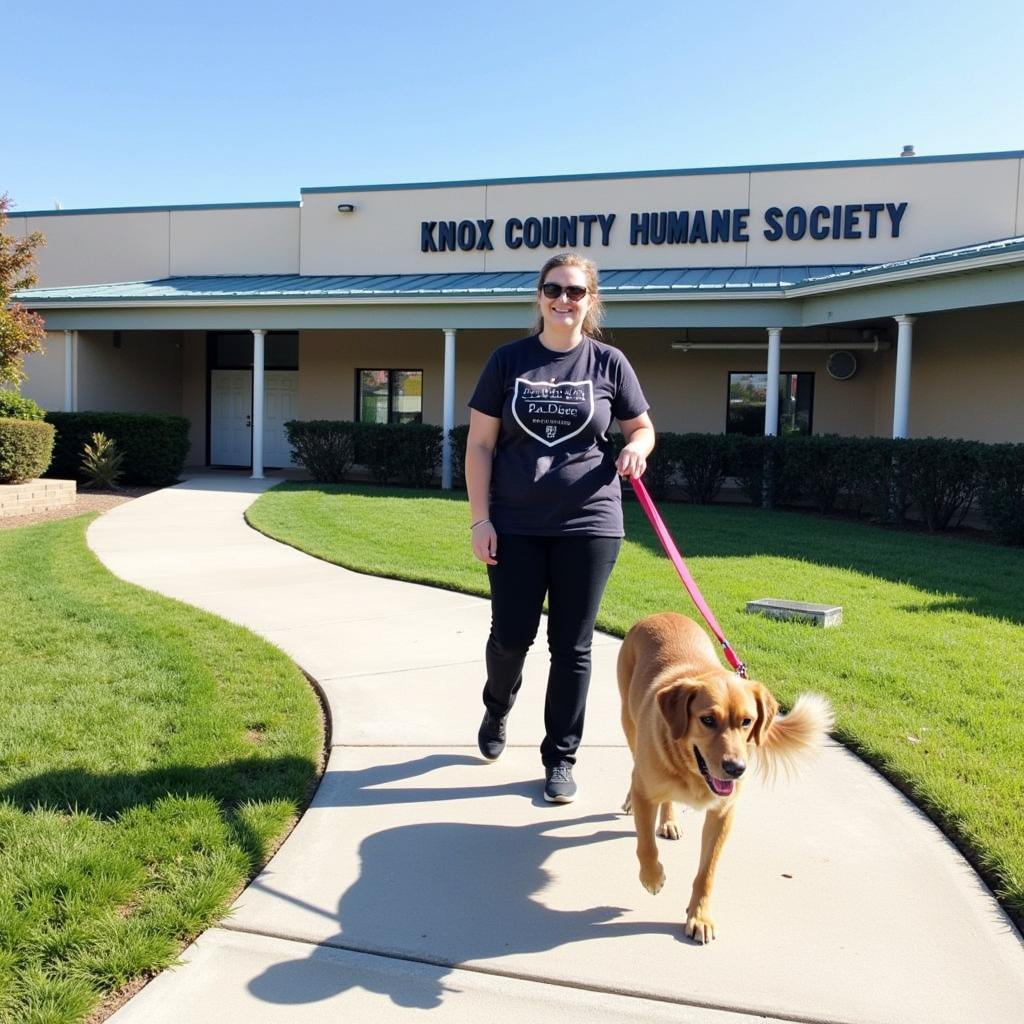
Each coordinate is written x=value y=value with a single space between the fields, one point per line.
x=422 y=878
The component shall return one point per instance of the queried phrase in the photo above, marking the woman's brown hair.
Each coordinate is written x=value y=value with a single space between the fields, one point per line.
x=595 y=313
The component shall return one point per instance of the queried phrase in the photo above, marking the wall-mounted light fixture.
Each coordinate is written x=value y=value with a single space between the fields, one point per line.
x=346 y=208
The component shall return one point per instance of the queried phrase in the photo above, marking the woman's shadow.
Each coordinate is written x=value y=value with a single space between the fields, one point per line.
x=444 y=893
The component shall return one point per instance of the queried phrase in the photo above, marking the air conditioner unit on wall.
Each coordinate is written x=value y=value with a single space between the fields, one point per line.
x=841 y=365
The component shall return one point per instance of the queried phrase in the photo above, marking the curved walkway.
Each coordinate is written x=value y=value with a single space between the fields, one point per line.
x=421 y=878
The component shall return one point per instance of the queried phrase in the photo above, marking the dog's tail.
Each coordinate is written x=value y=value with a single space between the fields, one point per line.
x=793 y=739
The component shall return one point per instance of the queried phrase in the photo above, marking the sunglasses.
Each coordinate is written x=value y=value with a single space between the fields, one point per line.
x=575 y=292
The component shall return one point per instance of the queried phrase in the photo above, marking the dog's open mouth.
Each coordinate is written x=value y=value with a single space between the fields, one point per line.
x=718 y=786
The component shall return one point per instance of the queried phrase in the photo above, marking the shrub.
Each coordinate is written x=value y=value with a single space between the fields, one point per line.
x=14 y=407
x=1001 y=490
x=662 y=464
x=405 y=453
x=942 y=478
x=872 y=485
x=101 y=462
x=25 y=449
x=375 y=445
x=417 y=453
x=702 y=460
x=154 y=445
x=326 y=448
x=459 y=436
x=747 y=463
x=828 y=470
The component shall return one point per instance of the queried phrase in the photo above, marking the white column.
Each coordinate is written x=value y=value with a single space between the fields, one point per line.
x=258 y=347
x=69 y=371
x=904 y=349
x=771 y=394
x=449 y=408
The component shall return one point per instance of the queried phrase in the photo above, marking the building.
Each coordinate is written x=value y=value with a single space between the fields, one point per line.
x=887 y=295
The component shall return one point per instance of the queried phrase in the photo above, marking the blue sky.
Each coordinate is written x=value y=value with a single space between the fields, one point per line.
x=120 y=104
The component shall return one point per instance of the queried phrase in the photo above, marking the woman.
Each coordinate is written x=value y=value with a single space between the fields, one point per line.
x=546 y=502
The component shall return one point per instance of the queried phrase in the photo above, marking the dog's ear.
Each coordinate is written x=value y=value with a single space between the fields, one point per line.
x=767 y=709
x=674 y=702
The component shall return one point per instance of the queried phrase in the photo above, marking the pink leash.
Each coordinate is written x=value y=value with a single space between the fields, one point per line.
x=684 y=574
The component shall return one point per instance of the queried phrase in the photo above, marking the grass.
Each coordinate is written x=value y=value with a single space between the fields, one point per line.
x=151 y=756
x=926 y=672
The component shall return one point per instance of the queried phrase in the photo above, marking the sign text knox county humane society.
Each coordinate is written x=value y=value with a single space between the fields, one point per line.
x=667 y=227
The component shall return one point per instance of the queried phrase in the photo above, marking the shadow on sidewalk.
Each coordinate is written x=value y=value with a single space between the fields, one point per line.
x=446 y=893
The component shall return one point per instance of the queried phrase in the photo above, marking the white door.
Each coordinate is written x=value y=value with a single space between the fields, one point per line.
x=281 y=394
x=231 y=417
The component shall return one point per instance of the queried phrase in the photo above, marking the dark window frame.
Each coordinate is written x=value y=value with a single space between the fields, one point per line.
x=357 y=404
x=211 y=350
x=782 y=373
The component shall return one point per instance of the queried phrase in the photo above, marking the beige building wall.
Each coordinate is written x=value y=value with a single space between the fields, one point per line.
x=967 y=377
x=261 y=240
x=687 y=390
x=950 y=203
x=45 y=383
x=382 y=234
x=97 y=248
x=621 y=196
x=130 y=371
x=193 y=393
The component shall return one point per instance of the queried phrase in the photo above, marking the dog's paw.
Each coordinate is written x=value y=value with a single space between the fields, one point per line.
x=652 y=879
x=669 y=830
x=699 y=927
x=627 y=805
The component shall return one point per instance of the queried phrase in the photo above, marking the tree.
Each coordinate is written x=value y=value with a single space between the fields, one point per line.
x=21 y=330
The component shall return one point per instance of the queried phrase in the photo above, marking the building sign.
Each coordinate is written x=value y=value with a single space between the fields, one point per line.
x=666 y=227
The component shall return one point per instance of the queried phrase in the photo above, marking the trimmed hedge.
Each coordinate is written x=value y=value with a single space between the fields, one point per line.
x=936 y=479
x=154 y=445
x=702 y=462
x=325 y=447
x=942 y=478
x=1001 y=490
x=14 y=407
x=459 y=438
x=25 y=449
x=404 y=453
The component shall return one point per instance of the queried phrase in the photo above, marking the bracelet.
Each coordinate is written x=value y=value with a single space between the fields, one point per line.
x=479 y=522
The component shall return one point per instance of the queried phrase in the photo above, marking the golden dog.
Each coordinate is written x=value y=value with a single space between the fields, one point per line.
x=691 y=725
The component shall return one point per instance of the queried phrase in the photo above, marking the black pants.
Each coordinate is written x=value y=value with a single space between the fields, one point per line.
x=572 y=572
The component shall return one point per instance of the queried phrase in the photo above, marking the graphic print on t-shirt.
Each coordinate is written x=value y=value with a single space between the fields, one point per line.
x=552 y=412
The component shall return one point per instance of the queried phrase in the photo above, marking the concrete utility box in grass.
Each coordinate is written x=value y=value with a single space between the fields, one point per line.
x=825 y=615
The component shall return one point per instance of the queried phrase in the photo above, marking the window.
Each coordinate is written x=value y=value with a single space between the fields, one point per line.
x=232 y=350
x=389 y=396
x=747 y=400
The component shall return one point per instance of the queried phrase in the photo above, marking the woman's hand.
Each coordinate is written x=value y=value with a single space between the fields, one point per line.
x=639 y=435
x=485 y=542
x=632 y=461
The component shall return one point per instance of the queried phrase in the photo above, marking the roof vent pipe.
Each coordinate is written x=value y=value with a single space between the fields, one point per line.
x=908 y=151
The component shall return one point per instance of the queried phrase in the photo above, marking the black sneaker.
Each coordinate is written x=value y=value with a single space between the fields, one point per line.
x=491 y=737
x=559 y=787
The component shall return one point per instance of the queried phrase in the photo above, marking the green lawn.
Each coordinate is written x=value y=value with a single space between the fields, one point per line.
x=151 y=756
x=926 y=673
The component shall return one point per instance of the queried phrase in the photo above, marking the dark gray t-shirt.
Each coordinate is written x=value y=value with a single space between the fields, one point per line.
x=554 y=467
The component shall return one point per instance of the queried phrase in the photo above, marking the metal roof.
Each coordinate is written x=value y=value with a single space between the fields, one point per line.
x=686 y=281
x=967 y=253
x=511 y=284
